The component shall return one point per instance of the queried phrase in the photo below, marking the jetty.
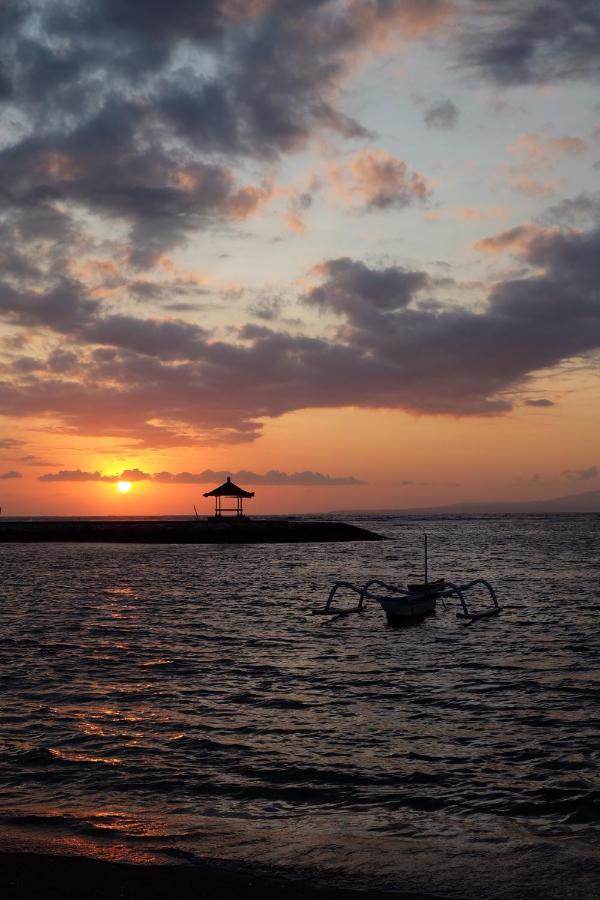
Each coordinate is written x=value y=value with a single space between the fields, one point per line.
x=225 y=530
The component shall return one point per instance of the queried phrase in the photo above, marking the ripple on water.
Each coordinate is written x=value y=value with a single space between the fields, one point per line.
x=184 y=697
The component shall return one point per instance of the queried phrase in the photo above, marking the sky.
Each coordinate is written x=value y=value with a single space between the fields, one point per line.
x=344 y=251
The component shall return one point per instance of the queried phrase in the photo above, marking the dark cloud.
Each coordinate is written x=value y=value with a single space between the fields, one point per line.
x=11 y=443
x=62 y=361
x=272 y=477
x=208 y=476
x=528 y=479
x=443 y=114
x=6 y=476
x=574 y=211
x=63 y=308
x=103 y=165
x=78 y=475
x=267 y=309
x=351 y=288
x=541 y=403
x=136 y=110
x=134 y=114
x=5 y=85
x=68 y=310
x=516 y=42
x=31 y=460
x=581 y=474
x=169 y=339
x=199 y=22
x=163 y=383
x=409 y=483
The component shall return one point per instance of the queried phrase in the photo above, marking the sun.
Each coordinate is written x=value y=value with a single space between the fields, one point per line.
x=124 y=486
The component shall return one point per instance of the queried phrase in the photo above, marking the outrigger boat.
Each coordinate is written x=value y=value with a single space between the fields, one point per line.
x=403 y=606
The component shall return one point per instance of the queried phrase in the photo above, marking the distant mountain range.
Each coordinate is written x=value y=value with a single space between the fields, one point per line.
x=587 y=502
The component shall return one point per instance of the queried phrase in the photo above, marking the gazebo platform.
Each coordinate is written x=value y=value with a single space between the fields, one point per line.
x=222 y=530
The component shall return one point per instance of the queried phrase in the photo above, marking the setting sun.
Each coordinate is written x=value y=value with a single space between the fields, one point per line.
x=124 y=486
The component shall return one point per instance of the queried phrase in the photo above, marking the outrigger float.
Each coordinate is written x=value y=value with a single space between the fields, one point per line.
x=404 y=606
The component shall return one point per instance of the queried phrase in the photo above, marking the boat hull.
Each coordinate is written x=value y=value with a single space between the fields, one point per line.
x=404 y=610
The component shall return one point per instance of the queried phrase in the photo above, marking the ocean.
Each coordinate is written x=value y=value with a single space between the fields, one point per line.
x=181 y=703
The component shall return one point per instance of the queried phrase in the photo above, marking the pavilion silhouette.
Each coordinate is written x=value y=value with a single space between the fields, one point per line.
x=229 y=491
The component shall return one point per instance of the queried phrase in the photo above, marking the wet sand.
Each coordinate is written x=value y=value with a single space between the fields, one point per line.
x=244 y=531
x=25 y=876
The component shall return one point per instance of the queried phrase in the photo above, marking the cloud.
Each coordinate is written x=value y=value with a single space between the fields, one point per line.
x=515 y=43
x=31 y=460
x=66 y=308
x=580 y=474
x=532 y=187
x=78 y=475
x=518 y=240
x=272 y=477
x=384 y=345
x=466 y=214
x=11 y=443
x=537 y=151
x=139 y=114
x=272 y=73
x=6 y=476
x=528 y=479
x=208 y=476
x=158 y=193
x=268 y=309
x=353 y=289
x=532 y=153
x=374 y=179
x=444 y=114
x=582 y=210
x=542 y=403
x=294 y=215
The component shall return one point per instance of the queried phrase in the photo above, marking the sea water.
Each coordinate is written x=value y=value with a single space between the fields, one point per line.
x=170 y=702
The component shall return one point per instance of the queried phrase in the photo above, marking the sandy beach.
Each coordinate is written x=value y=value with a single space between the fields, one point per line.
x=25 y=876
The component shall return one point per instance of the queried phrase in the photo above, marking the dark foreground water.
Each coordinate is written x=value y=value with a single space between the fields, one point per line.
x=181 y=702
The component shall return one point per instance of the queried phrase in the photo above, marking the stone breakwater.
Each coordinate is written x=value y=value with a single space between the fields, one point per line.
x=246 y=531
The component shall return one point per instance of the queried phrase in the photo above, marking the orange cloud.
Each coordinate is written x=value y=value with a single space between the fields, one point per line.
x=531 y=187
x=90 y=269
x=61 y=165
x=466 y=213
x=533 y=153
x=376 y=179
x=247 y=201
x=295 y=221
x=538 y=151
x=516 y=240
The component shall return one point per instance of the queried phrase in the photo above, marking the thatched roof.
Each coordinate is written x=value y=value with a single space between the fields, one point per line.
x=229 y=489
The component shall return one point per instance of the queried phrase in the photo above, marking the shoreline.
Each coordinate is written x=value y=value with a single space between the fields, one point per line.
x=25 y=876
x=225 y=531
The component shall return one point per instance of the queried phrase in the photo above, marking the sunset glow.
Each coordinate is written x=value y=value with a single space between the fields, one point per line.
x=370 y=267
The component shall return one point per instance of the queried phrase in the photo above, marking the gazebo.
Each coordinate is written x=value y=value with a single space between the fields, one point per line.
x=229 y=490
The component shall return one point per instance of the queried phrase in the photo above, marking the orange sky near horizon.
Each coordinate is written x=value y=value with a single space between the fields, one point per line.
x=441 y=460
